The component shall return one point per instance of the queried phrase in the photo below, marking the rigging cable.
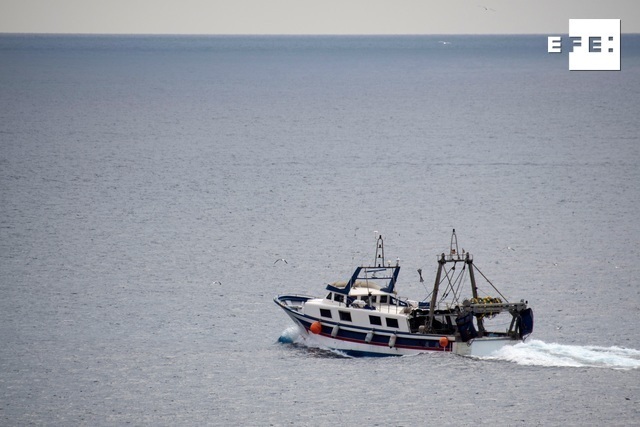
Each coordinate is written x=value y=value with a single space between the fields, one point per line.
x=455 y=291
x=489 y=281
x=461 y=279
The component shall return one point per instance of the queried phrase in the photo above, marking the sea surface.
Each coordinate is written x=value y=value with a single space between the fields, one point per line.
x=149 y=184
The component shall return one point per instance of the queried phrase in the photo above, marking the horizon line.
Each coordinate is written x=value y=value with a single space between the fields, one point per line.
x=4 y=33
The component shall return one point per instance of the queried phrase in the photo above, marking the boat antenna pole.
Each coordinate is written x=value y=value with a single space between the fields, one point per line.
x=454 y=243
x=379 y=261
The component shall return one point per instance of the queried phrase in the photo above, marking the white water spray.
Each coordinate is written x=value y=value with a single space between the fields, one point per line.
x=539 y=353
x=290 y=335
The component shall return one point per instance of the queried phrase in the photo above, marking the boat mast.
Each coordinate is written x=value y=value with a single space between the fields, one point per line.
x=474 y=291
x=454 y=256
x=453 y=250
x=434 y=295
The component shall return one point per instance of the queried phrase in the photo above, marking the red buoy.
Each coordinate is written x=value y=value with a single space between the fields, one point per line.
x=316 y=327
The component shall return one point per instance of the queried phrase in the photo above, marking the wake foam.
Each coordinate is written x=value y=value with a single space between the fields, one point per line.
x=539 y=353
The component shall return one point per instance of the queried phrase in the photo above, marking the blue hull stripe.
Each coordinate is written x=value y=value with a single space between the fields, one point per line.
x=381 y=340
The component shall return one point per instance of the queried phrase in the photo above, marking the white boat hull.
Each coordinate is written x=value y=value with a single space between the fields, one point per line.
x=352 y=340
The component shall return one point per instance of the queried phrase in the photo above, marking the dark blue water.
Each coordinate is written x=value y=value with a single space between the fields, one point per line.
x=137 y=172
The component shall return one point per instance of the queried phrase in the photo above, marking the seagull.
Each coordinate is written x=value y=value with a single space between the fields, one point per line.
x=443 y=42
x=281 y=259
x=420 y=273
x=488 y=9
x=216 y=283
x=510 y=248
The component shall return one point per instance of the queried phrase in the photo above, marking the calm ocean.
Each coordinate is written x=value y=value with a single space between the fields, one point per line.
x=148 y=184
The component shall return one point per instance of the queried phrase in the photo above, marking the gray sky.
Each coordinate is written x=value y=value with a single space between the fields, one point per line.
x=309 y=16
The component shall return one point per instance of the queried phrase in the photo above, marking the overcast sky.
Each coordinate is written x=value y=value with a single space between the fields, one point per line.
x=309 y=16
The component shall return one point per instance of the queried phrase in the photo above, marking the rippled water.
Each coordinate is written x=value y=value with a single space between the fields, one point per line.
x=148 y=184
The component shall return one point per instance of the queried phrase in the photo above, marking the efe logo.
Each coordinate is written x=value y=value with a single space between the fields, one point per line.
x=595 y=44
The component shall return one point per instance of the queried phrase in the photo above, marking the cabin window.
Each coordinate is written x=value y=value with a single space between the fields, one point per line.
x=374 y=299
x=383 y=299
x=345 y=315
x=338 y=297
x=392 y=323
x=329 y=296
x=375 y=320
x=325 y=313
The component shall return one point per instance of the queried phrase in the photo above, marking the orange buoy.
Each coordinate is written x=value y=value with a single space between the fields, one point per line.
x=316 y=327
x=444 y=341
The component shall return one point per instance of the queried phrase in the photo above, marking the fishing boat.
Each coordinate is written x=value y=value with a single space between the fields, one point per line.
x=364 y=316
